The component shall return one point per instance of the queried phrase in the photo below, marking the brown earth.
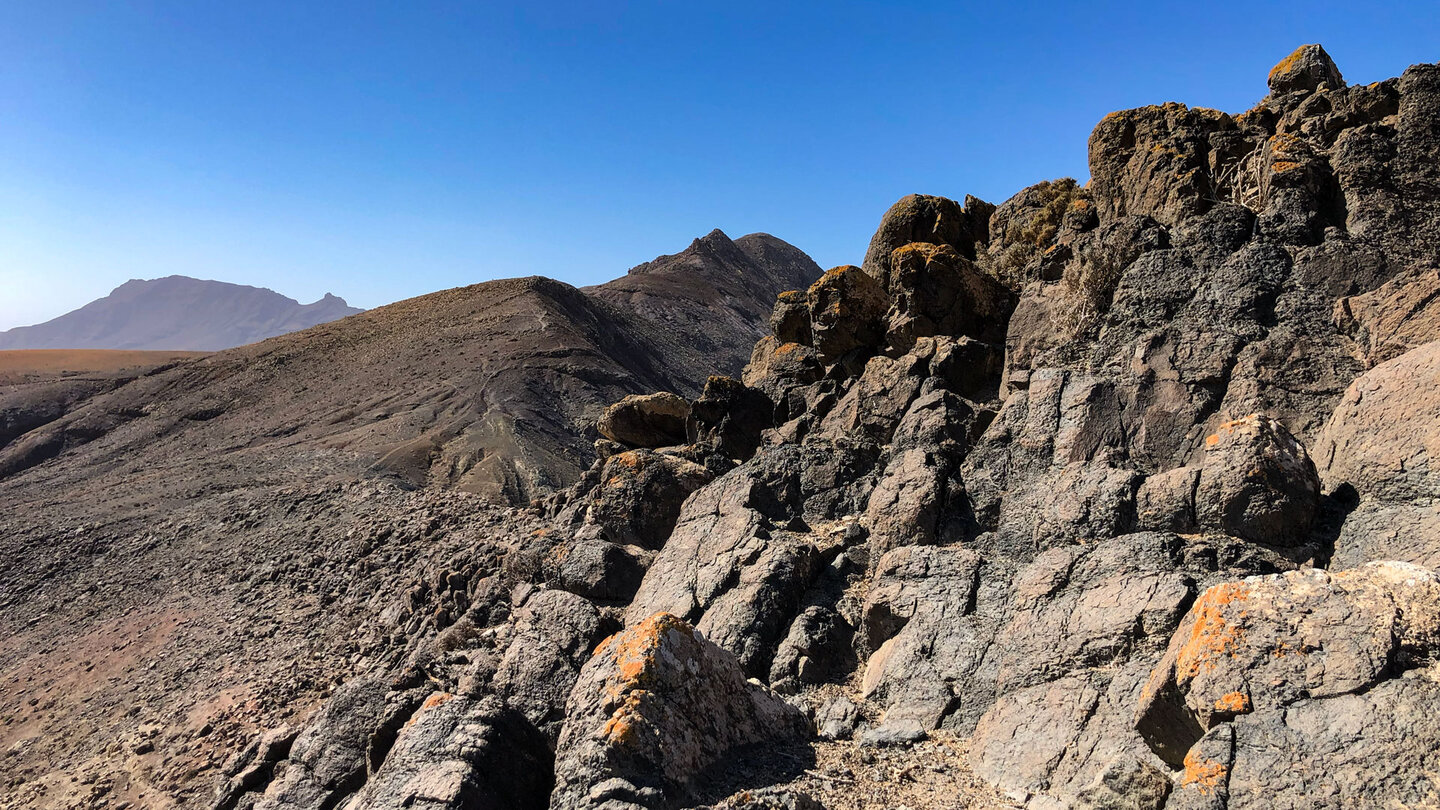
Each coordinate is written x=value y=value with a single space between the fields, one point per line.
x=36 y=365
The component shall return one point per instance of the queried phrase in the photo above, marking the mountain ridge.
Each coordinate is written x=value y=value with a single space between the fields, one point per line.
x=177 y=313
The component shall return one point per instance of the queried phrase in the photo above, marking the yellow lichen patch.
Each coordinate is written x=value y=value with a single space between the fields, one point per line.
x=787 y=348
x=1288 y=63
x=1287 y=152
x=1205 y=775
x=1213 y=635
x=1233 y=703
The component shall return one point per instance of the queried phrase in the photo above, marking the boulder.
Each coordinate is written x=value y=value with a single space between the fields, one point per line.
x=551 y=636
x=598 y=569
x=638 y=497
x=646 y=420
x=346 y=738
x=730 y=416
x=1376 y=449
x=1257 y=482
x=847 y=312
x=1306 y=70
x=1377 y=748
x=1153 y=162
x=936 y=291
x=776 y=369
x=1264 y=643
x=790 y=320
x=924 y=218
x=461 y=753
x=655 y=707
x=1254 y=480
x=729 y=569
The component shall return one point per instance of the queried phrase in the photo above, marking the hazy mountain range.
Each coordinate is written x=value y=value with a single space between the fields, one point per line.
x=177 y=312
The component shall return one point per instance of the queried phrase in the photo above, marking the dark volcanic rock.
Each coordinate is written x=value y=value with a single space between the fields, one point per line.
x=1382 y=448
x=1306 y=70
x=654 y=707
x=1043 y=480
x=1307 y=685
x=646 y=420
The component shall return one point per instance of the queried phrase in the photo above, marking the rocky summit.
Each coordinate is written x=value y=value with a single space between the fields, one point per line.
x=1107 y=496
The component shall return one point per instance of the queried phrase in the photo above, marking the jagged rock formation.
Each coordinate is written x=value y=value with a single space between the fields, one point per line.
x=1126 y=483
x=232 y=518
x=177 y=313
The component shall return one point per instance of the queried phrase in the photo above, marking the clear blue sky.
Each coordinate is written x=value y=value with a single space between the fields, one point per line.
x=380 y=151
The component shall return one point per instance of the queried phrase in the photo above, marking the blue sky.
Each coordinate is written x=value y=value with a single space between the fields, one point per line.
x=384 y=150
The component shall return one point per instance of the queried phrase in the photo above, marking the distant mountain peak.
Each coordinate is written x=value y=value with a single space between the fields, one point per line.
x=177 y=313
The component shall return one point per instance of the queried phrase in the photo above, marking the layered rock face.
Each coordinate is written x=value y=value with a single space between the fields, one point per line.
x=1126 y=483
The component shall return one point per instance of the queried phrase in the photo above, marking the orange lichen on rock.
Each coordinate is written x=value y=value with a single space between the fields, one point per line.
x=623 y=727
x=636 y=651
x=1233 y=703
x=430 y=703
x=1287 y=64
x=629 y=458
x=1230 y=427
x=1213 y=633
x=1205 y=775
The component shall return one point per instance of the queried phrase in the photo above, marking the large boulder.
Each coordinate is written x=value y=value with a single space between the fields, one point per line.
x=847 y=311
x=936 y=291
x=638 y=497
x=461 y=753
x=730 y=416
x=1264 y=643
x=1306 y=70
x=925 y=218
x=646 y=420
x=1306 y=689
x=1254 y=481
x=1381 y=450
x=550 y=636
x=654 y=708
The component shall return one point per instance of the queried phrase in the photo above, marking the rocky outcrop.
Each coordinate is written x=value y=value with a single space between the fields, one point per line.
x=1268 y=678
x=1038 y=474
x=646 y=420
x=655 y=707
x=1375 y=452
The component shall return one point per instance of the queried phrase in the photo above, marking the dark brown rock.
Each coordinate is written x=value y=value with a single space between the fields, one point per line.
x=847 y=311
x=1306 y=70
x=646 y=420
